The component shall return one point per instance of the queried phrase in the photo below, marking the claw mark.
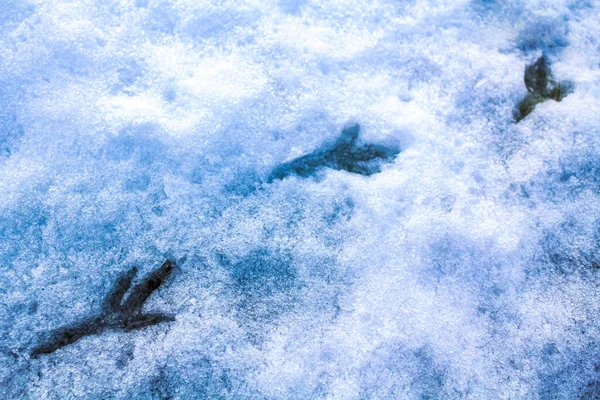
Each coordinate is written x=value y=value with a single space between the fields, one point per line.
x=541 y=86
x=116 y=314
x=346 y=154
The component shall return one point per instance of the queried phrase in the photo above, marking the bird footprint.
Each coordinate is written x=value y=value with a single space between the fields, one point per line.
x=541 y=86
x=347 y=153
x=117 y=314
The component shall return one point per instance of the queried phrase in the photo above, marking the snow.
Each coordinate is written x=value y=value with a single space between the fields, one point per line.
x=136 y=131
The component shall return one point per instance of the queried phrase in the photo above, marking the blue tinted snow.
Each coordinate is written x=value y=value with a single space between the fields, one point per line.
x=359 y=214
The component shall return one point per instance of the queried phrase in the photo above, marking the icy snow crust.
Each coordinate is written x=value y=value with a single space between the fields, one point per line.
x=139 y=130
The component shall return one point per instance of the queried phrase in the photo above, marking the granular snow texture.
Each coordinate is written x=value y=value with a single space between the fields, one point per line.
x=354 y=209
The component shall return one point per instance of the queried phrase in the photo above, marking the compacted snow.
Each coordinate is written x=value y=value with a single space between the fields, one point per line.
x=353 y=209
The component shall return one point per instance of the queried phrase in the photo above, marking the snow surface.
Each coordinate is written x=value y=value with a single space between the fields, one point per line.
x=138 y=130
